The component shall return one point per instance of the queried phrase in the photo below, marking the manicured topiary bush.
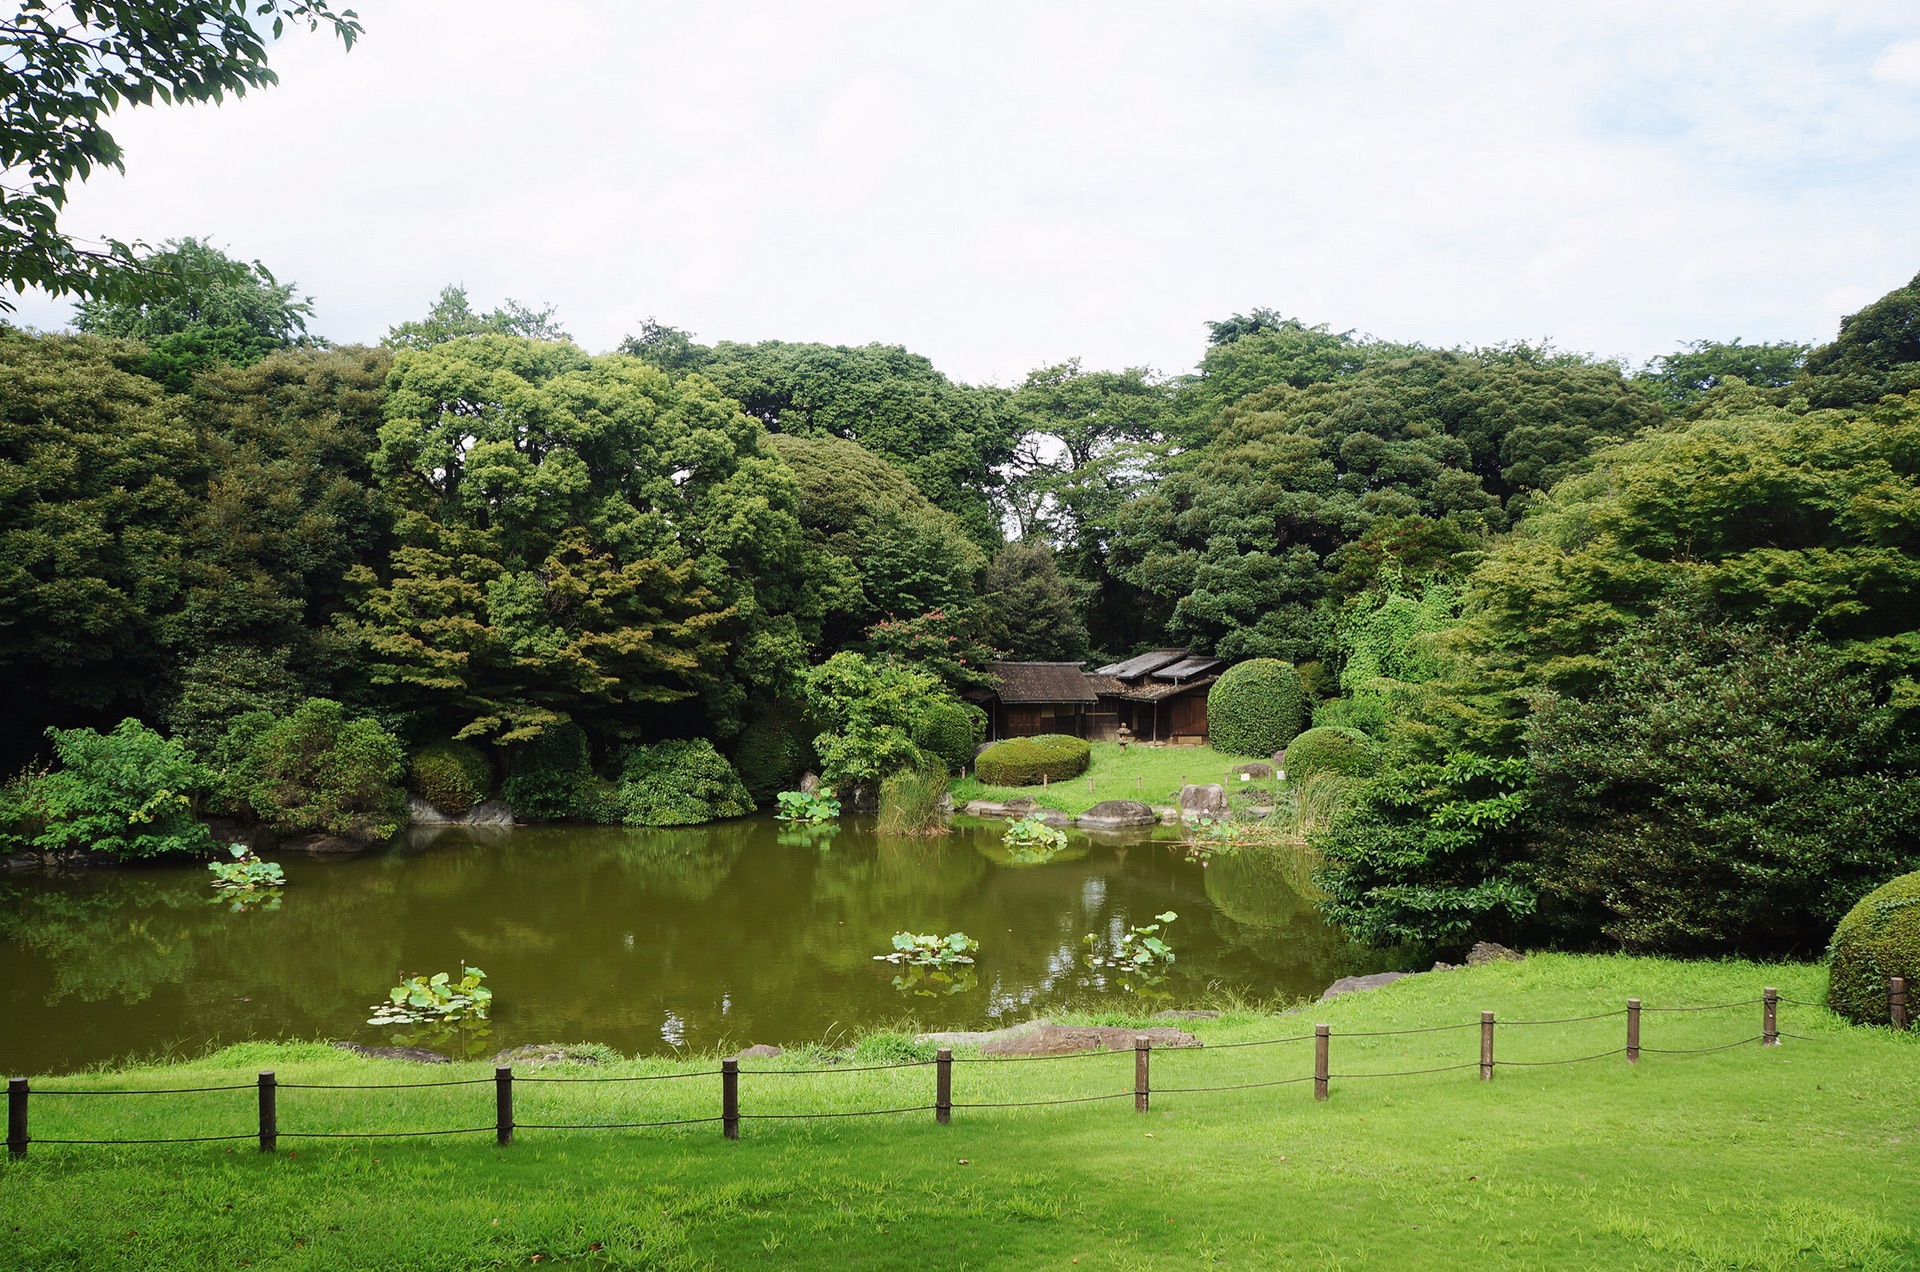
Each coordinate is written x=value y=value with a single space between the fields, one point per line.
x=1879 y=939
x=452 y=776
x=949 y=731
x=1256 y=708
x=679 y=783
x=1348 y=752
x=1024 y=761
x=549 y=775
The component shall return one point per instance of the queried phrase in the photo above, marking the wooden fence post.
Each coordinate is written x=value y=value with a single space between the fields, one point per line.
x=943 y=1085
x=1486 y=1046
x=503 y=1105
x=1321 y=1034
x=730 y=1098
x=1142 y=1046
x=1633 y=1031
x=16 y=1117
x=1769 y=1017
x=1897 y=1001
x=269 y=1112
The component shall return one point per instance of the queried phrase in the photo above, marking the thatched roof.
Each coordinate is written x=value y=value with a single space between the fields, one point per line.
x=1022 y=682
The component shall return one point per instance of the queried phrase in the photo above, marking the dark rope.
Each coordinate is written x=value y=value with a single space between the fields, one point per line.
x=1694 y=1051
x=1227 y=1046
x=1242 y=1086
x=647 y=1077
x=462 y=1130
x=1069 y=1055
x=243 y=1086
x=608 y=1126
x=863 y=1068
x=380 y=1086
x=1746 y=1002
x=1394 y=1033
x=1406 y=1073
x=781 y=1117
x=1024 y=1104
x=188 y=1139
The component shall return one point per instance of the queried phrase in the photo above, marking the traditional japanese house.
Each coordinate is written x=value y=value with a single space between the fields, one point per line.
x=1159 y=696
x=1029 y=698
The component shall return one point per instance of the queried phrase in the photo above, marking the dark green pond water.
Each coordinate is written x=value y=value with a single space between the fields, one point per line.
x=648 y=941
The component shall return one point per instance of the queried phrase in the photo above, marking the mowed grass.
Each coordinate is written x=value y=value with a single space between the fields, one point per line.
x=1803 y=1156
x=1153 y=774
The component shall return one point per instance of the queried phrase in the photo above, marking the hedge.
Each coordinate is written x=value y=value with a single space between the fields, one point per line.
x=452 y=776
x=1256 y=708
x=1024 y=761
x=773 y=750
x=1879 y=939
x=1347 y=752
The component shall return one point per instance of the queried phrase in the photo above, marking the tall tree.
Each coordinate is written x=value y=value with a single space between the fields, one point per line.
x=66 y=65
x=1029 y=610
x=1681 y=378
x=452 y=317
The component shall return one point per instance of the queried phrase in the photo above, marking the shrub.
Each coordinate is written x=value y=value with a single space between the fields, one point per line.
x=949 y=731
x=1024 y=761
x=867 y=712
x=1879 y=939
x=320 y=770
x=223 y=683
x=913 y=803
x=452 y=776
x=549 y=775
x=772 y=752
x=124 y=794
x=1347 y=752
x=679 y=783
x=1256 y=708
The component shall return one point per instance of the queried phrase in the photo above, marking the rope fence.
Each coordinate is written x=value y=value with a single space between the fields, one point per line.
x=504 y=1126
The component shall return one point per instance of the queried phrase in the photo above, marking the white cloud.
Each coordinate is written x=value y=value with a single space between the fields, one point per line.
x=1001 y=185
x=1900 y=64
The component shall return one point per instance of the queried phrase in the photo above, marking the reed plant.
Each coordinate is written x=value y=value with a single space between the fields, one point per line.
x=914 y=802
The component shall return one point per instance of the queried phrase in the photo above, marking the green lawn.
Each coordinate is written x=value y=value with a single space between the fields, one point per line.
x=1804 y=1156
x=1151 y=773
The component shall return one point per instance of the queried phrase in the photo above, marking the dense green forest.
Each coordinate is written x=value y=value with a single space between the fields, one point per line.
x=1635 y=645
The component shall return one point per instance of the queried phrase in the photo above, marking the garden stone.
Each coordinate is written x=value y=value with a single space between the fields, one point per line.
x=1060 y=1040
x=417 y=1055
x=1203 y=801
x=324 y=844
x=1256 y=770
x=1020 y=807
x=1112 y=814
x=1052 y=817
x=1487 y=952
x=984 y=808
x=490 y=812
x=1350 y=984
x=978 y=1038
x=758 y=1051
x=809 y=783
x=1167 y=814
x=538 y=1054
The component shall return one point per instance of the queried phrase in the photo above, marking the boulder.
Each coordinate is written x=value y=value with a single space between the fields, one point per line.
x=1168 y=815
x=1114 y=813
x=1020 y=807
x=324 y=844
x=1060 y=1040
x=1052 y=816
x=1256 y=770
x=984 y=808
x=758 y=1051
x=254 y=837
x=540 y=1054
x=490 y=812
x=1487 y=952
x=809 y=783
x=1350 y=984
x=1203 y=801
x=417 y=1055
x=979 y=1038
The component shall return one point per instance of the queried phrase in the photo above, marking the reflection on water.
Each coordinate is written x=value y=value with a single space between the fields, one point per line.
x=646 y=940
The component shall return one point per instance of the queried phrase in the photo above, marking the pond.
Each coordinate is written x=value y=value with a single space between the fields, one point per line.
x=650 y=941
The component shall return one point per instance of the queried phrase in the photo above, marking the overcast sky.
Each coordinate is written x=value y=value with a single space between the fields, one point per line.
x=1002 y=186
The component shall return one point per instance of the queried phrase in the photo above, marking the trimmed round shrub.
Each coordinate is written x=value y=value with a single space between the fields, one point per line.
x=949 y=731
x=1347 y=752
x=1879 y=939
x=1024 y=761
x=452 y=776
x=548 y=777
x=679 y=783
x=1256 y=708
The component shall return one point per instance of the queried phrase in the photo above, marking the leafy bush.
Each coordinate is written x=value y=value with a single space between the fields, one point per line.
x=321 y=770
x=913 y=802
x=452 y=776
x=773 y=751
x=125 y=794
x=1256 y=708
x=679 y=783
x=949 y=731
x=1347 y=752
x=1879 y=939
x=868 y=711
x=1024 y=761
x=549 y=775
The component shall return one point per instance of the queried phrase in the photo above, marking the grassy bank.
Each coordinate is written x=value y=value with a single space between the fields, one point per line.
x=1151 y=773
x=1797 y=1157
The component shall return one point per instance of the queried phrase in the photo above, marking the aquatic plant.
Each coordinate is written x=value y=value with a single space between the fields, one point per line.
x=246 y=872
x=1033 y=841
x=1138 y=952
x=436 y=999
x=807 y=807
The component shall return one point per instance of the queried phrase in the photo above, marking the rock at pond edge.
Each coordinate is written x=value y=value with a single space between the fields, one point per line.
x=1060 y=1040
x=758 y=1051
x=1203 y=801
x=417 y=1055
x=1352 y=984
x=1112 y=814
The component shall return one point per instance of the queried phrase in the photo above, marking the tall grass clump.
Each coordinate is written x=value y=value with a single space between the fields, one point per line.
x=913 y=802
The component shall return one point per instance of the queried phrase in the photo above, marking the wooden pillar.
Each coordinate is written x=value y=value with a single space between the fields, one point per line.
x=943 y=1085
x=1897 y=1002
x=730 y=1099
x=503 y=1105
x=17 y=1117
x=1321 y=1035
x=1633 y=1031
x=1769 y=1017
x=269 y=1112
x=1486 y=1046
x=1142 y=1089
